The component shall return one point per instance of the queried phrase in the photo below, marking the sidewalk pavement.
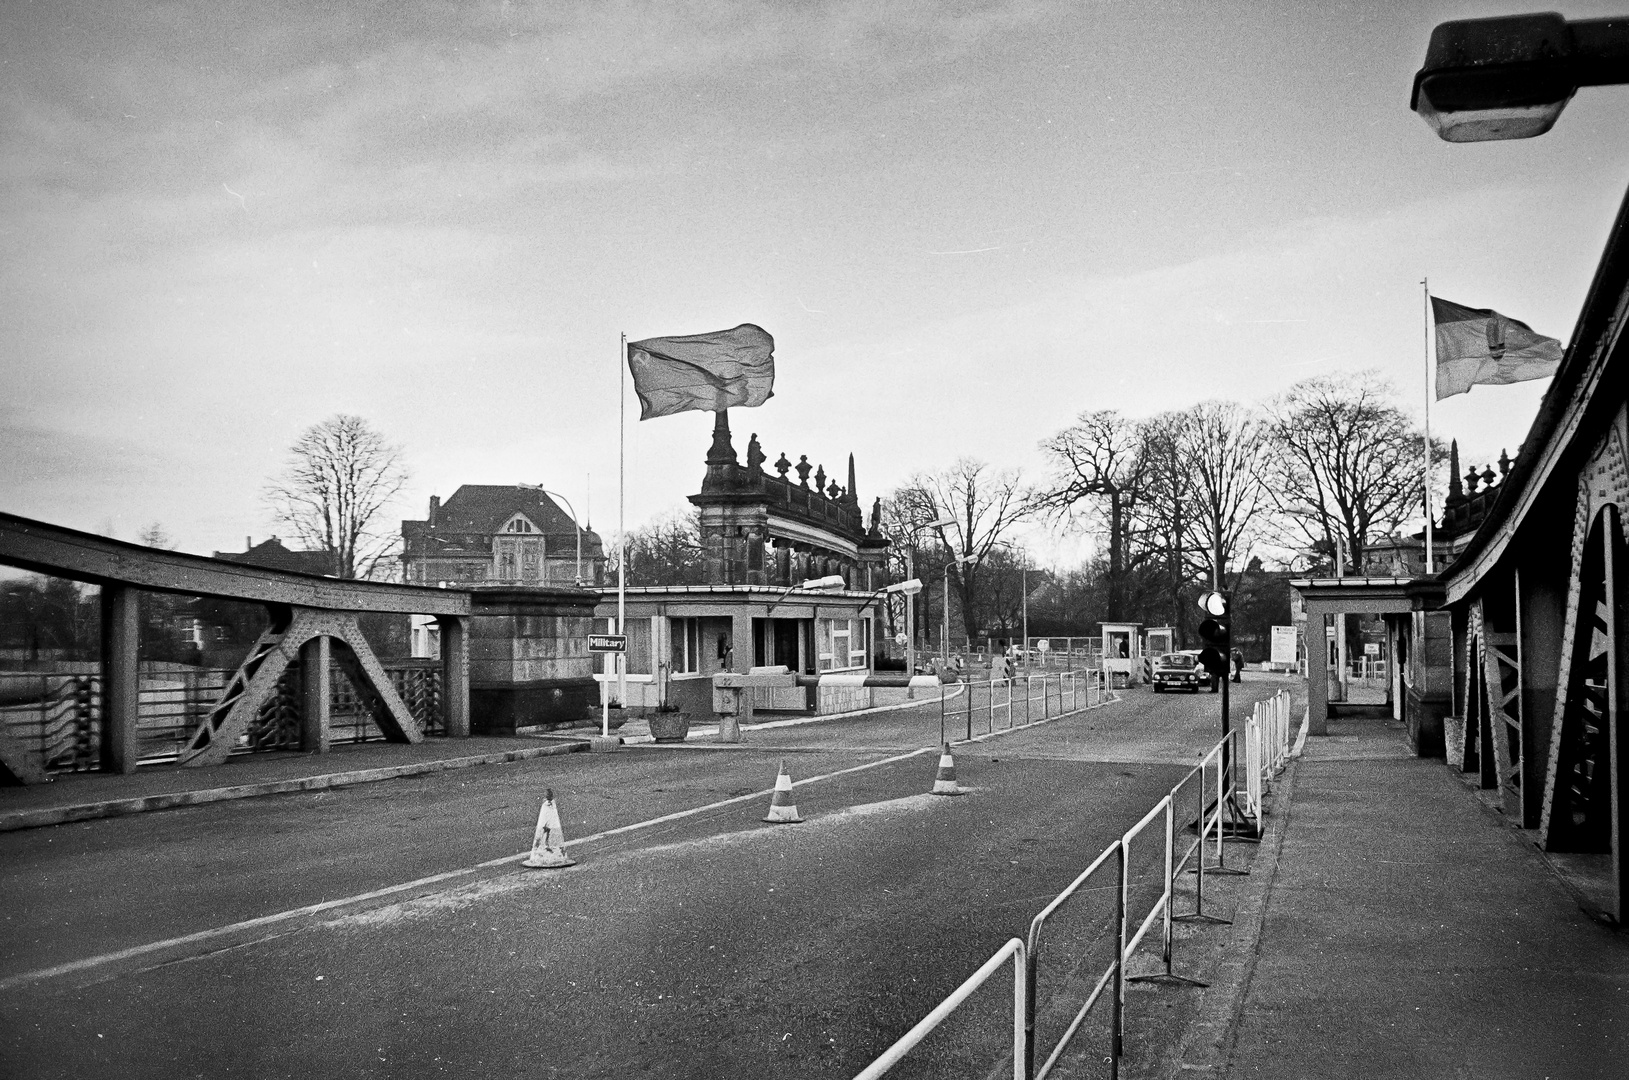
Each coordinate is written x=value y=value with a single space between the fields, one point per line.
x=82 y=796
x=1408 y=931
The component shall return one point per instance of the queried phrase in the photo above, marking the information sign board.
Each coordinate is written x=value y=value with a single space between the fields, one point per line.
x=608 y=643
x=1283 y=645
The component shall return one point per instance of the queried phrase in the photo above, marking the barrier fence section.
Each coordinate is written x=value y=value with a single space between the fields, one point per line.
x=1075 y=690
x=1267 y=731
x=1266 y=745
x=59 y=716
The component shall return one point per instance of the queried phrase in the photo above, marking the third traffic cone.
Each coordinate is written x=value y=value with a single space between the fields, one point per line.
x=782 y=809
x=945 y=782
x=548 y=841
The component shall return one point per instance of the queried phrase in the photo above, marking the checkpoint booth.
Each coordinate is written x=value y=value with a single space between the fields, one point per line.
x=1158 y=641
x=1122 y=653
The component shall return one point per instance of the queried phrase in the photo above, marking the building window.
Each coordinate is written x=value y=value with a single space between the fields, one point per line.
x=639 y=650
x=685 y=655
x=519 y=525
x=701 y=646
x=842 y=644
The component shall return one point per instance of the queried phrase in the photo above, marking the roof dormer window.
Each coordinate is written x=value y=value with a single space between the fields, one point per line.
x=519 y=524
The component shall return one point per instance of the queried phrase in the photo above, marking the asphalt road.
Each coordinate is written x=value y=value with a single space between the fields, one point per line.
x=298 y=936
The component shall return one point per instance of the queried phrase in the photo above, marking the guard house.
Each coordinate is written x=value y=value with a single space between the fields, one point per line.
x=763 y=534
x=1122 y=652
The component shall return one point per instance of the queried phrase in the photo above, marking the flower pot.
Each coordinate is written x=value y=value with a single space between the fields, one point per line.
x=669 y=727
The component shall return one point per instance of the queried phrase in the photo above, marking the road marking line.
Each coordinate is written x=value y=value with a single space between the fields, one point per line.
x=28 y=977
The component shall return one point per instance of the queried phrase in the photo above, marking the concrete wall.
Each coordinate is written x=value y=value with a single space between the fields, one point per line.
x=1429 y=681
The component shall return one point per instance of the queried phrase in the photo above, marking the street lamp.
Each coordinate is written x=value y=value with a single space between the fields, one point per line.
x=829 y=583
x=907 y=588
x=1509 y=77
x=576 y=527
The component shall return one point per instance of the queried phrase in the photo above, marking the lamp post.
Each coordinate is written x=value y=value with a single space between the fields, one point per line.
x=907 y=588
x=959 y=560
x=576 y=527
x=1023 y=586
x=942 y=524
x=910 y=614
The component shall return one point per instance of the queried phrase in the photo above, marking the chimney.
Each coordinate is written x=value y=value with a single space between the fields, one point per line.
x=435 y=509
x=248 y=542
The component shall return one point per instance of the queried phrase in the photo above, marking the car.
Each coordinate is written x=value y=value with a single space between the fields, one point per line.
x=1178 y=671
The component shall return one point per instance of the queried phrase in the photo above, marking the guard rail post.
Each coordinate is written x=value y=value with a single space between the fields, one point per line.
x=1224 y=796
x=942 y=739
x=1198 y=849
x=989 y=709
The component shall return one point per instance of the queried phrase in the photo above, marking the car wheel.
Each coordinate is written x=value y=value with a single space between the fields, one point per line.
x=1158 y=688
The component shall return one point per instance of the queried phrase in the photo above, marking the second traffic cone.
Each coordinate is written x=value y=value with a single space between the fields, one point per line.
x=945 y=782
x=782 y=810
x=548 y=840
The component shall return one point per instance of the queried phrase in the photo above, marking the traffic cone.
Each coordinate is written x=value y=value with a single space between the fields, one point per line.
x=782 y=810
x=945 y=782
x=549 y=840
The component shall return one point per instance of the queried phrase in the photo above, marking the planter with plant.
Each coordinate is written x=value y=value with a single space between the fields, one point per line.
x=668 y=724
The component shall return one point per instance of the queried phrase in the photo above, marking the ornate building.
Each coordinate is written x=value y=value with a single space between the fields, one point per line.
x=763 y=535
x=495 y=534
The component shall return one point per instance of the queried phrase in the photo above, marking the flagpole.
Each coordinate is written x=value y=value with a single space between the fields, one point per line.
x=1430 y=563
x=622 y=530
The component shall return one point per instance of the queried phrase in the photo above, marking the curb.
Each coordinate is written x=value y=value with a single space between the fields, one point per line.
x=1207 y=1047
x=62 y=815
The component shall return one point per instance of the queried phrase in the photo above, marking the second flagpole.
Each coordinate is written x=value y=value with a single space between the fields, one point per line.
x=622 y=529
x=1430 y=562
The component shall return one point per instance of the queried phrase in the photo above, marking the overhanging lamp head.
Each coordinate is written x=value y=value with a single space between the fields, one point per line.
x=1510 y=77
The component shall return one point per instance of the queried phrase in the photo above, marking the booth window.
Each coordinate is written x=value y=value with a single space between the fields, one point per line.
x=842 y=643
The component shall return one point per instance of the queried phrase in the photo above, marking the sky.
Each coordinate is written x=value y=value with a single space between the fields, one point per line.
x=963 y=223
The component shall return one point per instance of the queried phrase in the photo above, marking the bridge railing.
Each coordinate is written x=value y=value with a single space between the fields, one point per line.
x=1267 y=730
x=59 y=716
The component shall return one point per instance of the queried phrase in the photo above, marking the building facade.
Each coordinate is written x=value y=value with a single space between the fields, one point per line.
x=497 y=534
x=763 y=535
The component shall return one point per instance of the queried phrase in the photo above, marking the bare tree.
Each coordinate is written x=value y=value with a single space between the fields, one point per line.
x=985 y=505
x=1345 y=462
x=667 y=550
x=1224 y=447
x=340 y=477
x=1100 y=467
x=1162 y=519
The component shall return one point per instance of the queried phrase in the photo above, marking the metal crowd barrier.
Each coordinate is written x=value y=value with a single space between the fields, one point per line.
x=1076 y=690
x=1266 y=738
x=1020 y=1009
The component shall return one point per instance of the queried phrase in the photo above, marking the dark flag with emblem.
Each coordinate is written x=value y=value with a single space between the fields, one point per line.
x=1476 y=345
x=703 y=371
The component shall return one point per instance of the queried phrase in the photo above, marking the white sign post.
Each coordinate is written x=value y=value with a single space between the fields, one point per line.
x=616 y=645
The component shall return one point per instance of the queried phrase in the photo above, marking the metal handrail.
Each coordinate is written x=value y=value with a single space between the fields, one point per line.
x=1014 y=948
x=1271 y=756
x=1033 y=973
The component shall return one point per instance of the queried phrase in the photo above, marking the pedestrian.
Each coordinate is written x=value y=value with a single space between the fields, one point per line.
x=1238 y=665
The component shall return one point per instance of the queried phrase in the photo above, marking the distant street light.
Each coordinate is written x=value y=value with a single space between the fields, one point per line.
x=1509 y=77
x=829 y=583
x=576 y=527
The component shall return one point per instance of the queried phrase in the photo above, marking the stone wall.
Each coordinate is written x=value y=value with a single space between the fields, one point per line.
x=529 y=662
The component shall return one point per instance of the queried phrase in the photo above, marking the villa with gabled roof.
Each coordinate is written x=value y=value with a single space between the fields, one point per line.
x=499 y=534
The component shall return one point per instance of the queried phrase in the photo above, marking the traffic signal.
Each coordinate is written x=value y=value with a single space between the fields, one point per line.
x=1213 y=657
